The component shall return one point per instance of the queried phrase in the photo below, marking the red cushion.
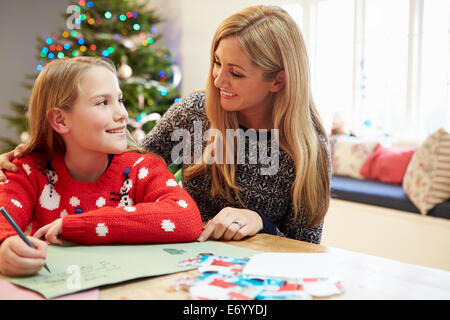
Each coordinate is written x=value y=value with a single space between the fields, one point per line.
x=387 y=164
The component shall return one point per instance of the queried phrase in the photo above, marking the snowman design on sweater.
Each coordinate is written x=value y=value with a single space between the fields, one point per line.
x=123 y=196
x=127 y=204
x=49 y=198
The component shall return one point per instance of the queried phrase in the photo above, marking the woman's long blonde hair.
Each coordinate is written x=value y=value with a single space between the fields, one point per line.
x=58 y=86
x=273 y=42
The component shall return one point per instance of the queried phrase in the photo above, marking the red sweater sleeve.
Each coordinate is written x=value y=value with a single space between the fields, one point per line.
x=164 y=212
x=18 y=196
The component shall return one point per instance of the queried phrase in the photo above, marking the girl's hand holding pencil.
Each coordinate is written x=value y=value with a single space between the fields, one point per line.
x=19 y=259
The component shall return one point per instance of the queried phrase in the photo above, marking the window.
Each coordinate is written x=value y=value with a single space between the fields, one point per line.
x=434 y=82
x=382 y=64
x=331 y=53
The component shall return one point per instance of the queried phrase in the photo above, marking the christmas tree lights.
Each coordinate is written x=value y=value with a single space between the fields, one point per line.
x=123 y=31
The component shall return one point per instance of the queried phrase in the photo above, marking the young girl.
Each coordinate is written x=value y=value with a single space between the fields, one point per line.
x=78 y=182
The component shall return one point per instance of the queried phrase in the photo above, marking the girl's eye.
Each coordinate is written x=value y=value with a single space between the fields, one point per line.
x=102 y=103
x=217 y=63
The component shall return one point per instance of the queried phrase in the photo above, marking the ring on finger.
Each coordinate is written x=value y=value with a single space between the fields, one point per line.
x=238 y=223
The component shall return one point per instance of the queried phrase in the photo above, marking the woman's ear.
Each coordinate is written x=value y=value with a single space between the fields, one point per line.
x=57 y=119
x=279 y=82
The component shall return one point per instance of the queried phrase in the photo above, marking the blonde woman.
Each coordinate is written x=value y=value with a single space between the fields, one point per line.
x=259 y=79
x=78 y=180
x=258 y=87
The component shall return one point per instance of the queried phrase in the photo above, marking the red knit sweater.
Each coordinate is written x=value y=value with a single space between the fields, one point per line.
x=136 y=200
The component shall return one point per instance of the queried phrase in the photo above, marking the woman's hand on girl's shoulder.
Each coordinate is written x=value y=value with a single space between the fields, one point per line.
x=6 y=160
x=232 y=224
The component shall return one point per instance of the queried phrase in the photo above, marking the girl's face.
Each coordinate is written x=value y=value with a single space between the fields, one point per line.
x=239 y=80
x=97 y=120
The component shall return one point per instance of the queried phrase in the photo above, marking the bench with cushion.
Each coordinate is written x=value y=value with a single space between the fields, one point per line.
x=377 y=193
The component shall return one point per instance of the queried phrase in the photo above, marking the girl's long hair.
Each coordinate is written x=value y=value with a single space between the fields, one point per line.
x=273 y=42
x=58 y=86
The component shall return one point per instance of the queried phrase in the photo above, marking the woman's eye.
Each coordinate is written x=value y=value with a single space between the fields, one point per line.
x=236 y=75
x=217 y=63
x=102 y=103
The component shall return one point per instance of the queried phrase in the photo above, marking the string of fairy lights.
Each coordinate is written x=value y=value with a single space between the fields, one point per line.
x=56 y=47
x=54 y=50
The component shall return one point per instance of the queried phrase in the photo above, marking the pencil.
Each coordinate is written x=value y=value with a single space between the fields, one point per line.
x=19 y=232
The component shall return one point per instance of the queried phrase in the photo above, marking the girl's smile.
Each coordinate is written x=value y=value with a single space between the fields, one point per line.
x=119 y=132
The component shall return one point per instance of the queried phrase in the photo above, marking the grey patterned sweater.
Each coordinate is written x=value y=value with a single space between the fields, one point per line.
x=268 y=195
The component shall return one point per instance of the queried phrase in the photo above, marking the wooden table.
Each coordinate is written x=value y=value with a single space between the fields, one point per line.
x=364 y=276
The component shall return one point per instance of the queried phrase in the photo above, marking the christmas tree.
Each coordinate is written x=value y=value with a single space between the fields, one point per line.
x=124 y=32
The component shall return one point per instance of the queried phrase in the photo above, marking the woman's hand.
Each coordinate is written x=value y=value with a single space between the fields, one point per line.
x=232 y=224
x=18 y=259
x=6 y=160
x=51 y=232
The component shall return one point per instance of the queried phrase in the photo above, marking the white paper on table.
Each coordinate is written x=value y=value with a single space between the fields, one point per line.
x=293 y=265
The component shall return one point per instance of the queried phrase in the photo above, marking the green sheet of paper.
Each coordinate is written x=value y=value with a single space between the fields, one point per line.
x=78 y=268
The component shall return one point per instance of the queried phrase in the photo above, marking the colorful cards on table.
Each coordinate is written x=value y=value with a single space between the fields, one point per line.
x=224 y=278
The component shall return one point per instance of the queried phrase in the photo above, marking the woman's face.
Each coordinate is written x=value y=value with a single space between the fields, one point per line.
x=240 y=82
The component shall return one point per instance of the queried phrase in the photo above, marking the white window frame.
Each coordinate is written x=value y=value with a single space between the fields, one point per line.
x=415 y=48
